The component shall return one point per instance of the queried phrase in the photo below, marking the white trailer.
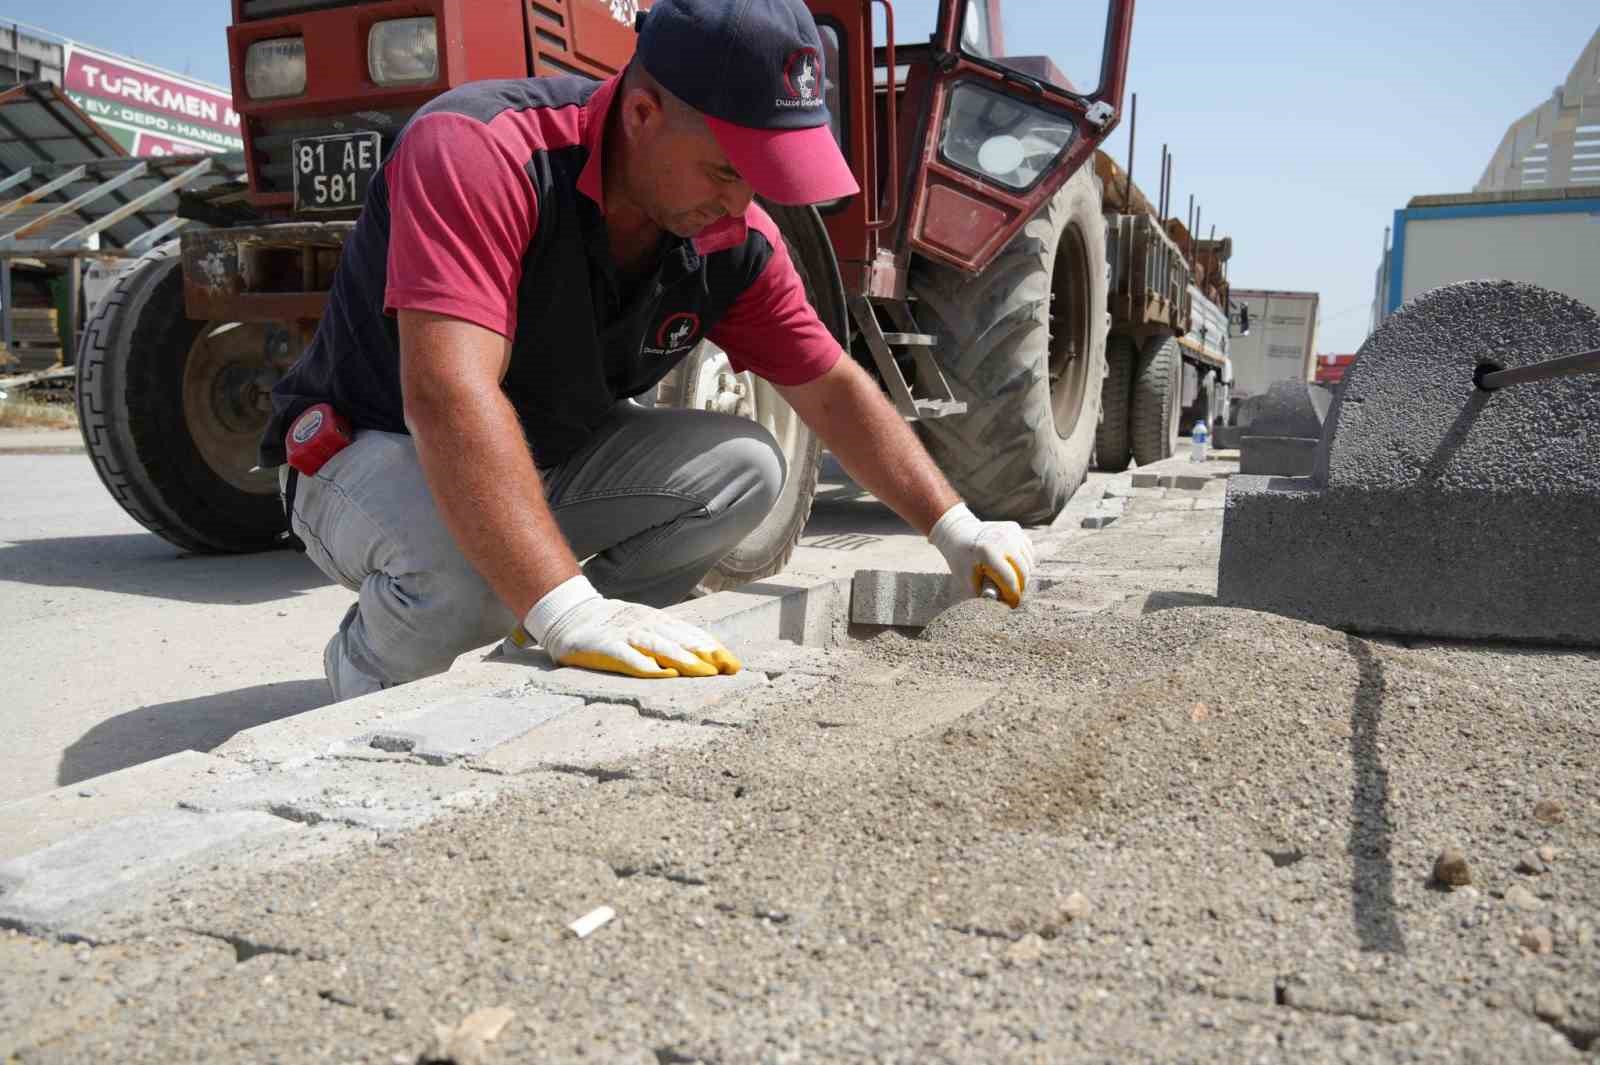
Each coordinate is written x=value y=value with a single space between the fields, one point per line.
x=1549 y=237
x=1281 y=344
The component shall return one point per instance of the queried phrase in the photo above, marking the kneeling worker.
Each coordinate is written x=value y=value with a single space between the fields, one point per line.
x=533 y=253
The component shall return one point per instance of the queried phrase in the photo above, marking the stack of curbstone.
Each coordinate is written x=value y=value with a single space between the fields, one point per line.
x=1285 y=431
x=1436 y=508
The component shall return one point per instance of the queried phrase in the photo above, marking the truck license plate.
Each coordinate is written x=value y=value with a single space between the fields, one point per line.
x=332 y=173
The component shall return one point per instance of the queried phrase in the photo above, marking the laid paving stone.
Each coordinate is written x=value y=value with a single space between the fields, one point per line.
x=593 y=736
x=38 y=821
x=358 y=794
x=777 y=657
x=1145 y=479
x=681 y=697
x=316 y=733
x=1130 y=492
x=1172 y=503
x=1211 y=504
x=50 y=890
x=463 y=728
x=1184 y=482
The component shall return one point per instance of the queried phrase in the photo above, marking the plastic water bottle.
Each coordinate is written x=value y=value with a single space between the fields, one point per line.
x=1199 y=437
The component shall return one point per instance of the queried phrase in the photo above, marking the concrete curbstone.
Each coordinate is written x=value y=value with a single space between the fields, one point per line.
x=678 y=698
x=595 y=735
x=464 y=728
x=786 y=607
x=1436 y=508
x=316 y=733
x=357 y=794
x=38 y=821
x=69 y=883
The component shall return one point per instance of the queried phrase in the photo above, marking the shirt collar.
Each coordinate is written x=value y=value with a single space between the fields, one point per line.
x=719 y=236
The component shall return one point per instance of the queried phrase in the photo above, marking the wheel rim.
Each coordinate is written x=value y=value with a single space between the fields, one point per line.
x=227 y=386
x=1069 y=332
x=714 y=386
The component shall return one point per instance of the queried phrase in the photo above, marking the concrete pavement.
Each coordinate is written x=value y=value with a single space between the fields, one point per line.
x=1119 y=824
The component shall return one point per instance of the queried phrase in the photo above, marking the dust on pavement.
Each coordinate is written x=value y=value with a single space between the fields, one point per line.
x=1193 y=834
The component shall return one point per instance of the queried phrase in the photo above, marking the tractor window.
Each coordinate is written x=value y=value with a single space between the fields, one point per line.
x=914 y=22
x=1061 y=44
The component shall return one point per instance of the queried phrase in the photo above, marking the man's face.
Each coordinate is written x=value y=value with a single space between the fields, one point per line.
x=678 y=174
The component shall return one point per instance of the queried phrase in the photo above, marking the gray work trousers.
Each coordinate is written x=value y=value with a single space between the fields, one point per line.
x=656 y=497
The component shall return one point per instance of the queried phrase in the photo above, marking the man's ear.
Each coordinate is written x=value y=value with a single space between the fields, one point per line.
x=643 y=113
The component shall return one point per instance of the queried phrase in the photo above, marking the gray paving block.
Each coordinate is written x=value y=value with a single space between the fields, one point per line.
x=385 y=797
x=73 y=880
x=1291 y=408
x=594 y=736
x=1146 y=479
x=912 y=600
x=893 y=597
x=678 y=697
x=464 y=728
x=37 y=821
x=1436 y=508
x=778 y=657
x=314 y=733
x=1187 y=482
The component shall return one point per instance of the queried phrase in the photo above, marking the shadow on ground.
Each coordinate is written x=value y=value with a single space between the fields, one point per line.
x=199 y=724
x=145 y=564
x=1172 y=600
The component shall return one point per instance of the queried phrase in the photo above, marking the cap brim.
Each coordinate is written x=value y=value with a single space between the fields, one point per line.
x=787 y=166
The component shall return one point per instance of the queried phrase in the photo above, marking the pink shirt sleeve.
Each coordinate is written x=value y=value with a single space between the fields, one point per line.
x=771 y=330
x=461 y=213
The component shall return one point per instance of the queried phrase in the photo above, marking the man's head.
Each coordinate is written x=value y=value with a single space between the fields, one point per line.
x=751 y=76
x=674 y=169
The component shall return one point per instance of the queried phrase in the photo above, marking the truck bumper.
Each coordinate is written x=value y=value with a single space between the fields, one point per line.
x=274 y=273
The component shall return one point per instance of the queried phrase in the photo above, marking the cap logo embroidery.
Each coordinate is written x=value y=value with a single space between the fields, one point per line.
x=802 y=78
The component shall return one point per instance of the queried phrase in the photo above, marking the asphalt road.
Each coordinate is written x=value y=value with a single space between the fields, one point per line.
x=120 y=648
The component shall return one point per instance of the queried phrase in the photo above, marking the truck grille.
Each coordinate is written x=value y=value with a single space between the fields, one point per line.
x=260 y=9
x=273 y=140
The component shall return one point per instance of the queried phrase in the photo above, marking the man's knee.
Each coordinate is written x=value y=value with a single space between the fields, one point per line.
x=758 y=472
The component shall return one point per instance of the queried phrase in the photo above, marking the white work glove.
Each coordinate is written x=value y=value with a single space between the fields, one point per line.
x=977 y=551
x=577 y=626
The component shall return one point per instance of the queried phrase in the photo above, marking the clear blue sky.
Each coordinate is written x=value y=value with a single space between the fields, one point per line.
x=1301 y=127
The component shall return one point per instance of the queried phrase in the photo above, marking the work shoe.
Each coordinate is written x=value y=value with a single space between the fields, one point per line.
x=344 y=678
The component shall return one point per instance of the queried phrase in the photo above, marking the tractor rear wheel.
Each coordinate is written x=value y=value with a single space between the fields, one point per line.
x=1024 y=344
x=172 y=410
x=1157 y=395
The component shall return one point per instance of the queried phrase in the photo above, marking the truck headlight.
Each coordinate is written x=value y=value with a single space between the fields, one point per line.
x=403 y=51
x=1001 y=138
x=275 y=68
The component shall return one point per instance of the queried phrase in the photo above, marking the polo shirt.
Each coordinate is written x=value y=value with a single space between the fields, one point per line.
x=490 y=208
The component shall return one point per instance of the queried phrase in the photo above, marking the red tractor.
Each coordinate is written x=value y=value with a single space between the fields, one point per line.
x=969 y=275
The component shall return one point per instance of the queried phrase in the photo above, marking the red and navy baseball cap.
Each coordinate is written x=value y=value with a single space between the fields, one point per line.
x=754 y=69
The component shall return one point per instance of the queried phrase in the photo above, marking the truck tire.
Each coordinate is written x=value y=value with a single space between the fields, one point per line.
x=171 y=410
x=705 y=381
x=1024 y=345
x=1113 y=444
x=1157 y=393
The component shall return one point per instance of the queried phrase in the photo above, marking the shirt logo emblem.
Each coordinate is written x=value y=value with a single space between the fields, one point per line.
x=679 y=332
x=802 y=79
